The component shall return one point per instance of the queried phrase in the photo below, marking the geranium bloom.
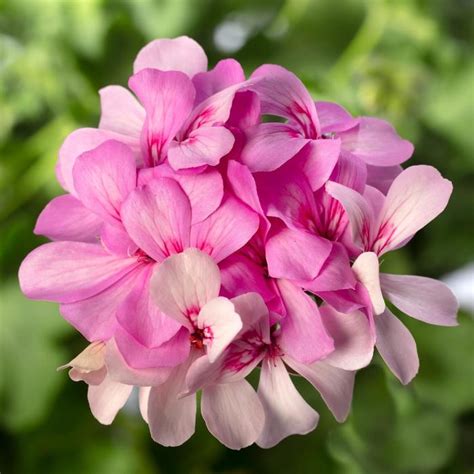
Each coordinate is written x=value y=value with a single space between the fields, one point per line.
x=197 y=240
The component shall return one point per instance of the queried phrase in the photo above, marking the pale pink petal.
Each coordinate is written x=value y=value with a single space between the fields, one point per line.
x=366 y=268
x=70 y=271
x=94 y=317
x=226 y=230
x=104 y=177
x=220 y=324
x=107 y=398
x=283 y=94
x=335 y=385
x=121 y=112
x=177 y=54
x=184 y=283
x=143 y=396
x=119 y=371
x=334 y=118
x=296 y=254
x=254 y=315
x=172 y=418
x=65 y=218
x=270 y=145
x=233 y=413
x=303 y=335
x=353 y=338
x=376 y=142
x=286 y=412
x=396 y=346
x=416 y=197
x=422 y=298
x=204 y=190
x=82 y=140
x=203 y=146
x=168 y=99
x=169 y=354
x=225 y=73
x=89 y=361
x=359 y=212
x=158 y=218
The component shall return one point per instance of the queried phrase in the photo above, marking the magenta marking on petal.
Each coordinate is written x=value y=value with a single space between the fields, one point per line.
x=143 y=257
x=244 y=351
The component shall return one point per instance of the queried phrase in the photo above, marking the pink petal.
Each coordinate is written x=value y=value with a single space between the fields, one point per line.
x=203 y=146
x=422 y=298
x=335 y=274
x=320 y=157
x=241 y=275
x=215 y=110
x=168 y=99
x=303 y=335
x=70 y=271
x=65 y=218
x=218 y=317
x=351 y=172
x=225 y=73
x=80 y=141
x=172 y=419
x=158 y=218
x=381 y=177
x=353 y=338
x=116 y=240
x=119 y=371
x=245 y=111
x=283 y=94
x=359 y=212
x=94 y=317
x=142 y=319
x=254 y=315
x=104 y=177
x=296 y=254
x=366 y=268
x=416 y=197
x=334 y=118
x=376 y=142
x=177 y=54
x=270 y=145
x=121 y=112
x=233 y=413
x=107 y=398
x=396 y=346
x=335 y=385
x=169 y=354
x=286 y=412
x=184 y=283
x=204 y=190
x=225 y=231
x=244 y=187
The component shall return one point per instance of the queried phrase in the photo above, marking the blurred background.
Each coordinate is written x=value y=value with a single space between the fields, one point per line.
x=407 y=61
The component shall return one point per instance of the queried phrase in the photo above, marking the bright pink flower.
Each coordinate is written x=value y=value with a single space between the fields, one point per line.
x=323 y=125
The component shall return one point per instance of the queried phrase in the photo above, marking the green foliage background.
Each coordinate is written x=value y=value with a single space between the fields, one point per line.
x=409 y=61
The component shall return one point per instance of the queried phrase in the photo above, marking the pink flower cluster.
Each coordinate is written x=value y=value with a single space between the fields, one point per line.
x=214 y=226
